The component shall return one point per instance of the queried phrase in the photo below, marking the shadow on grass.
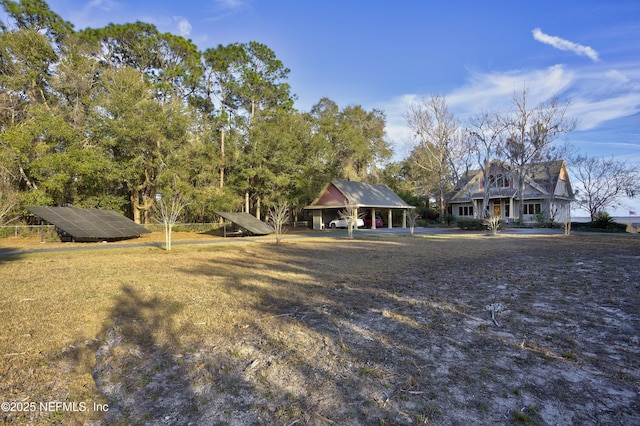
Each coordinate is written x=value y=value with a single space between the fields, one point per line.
x=138 y=367
x=353 y=332
x=9 y=254
x=305 y=352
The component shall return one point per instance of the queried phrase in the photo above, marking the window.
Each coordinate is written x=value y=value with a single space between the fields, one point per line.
x=465 y=211
x=499 y=181
x=532 y=208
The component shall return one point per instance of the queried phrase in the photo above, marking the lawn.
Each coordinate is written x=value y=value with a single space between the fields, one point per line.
x=439 y=329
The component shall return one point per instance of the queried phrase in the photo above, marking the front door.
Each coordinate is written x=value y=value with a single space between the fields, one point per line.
x=496 y=210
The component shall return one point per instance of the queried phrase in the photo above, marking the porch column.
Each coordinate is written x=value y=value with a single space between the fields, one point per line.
x=390 y=219
x=511 y=207
x=317 y=220
x=404 y=218
x=373 y=218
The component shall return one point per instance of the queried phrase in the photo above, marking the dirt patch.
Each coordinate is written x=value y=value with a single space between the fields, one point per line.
x=440 y=329
x=401 y=332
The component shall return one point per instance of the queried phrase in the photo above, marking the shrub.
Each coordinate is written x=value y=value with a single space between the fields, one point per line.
x=604 y=221
x=544 y=220
x=471 y=224
x=493 y=224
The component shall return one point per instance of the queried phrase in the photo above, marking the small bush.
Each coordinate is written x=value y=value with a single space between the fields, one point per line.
x=493 y=224
x=544 y=220
x=604 y=221
x=599 y=225
x=471 y=224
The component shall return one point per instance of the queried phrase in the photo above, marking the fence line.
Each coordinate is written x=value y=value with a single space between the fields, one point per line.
x=30 y=230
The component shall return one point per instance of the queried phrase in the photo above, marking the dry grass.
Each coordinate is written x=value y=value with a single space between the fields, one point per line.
x=389 y=329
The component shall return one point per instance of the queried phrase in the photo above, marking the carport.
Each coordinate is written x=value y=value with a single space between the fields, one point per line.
x=339 y=194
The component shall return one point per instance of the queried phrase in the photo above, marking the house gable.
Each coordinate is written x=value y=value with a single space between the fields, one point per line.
x=546 y=186
x=331 y=195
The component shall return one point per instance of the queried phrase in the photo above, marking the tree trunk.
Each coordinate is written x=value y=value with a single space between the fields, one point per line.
x=521 y=205
x=222 y=156
x=258 y=208
x=167 y=236
x=135 y=202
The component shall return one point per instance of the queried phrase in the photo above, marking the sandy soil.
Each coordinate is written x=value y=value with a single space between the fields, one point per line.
x=425 y=330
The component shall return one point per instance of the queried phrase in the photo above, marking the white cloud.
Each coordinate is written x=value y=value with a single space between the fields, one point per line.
x=398 y=132
x=229 y=4
x=184 y=27
x=105 y=5
x=618 y=76
x=597 y=96
x=592 y=113
x=495 y=91
x=562 y=44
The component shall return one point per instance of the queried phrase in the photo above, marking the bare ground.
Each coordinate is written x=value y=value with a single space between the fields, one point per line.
x=401 y=332
x=395 y=330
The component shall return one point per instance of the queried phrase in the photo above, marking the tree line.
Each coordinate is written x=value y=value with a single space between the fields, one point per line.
x=120 y=116
x=114 y=117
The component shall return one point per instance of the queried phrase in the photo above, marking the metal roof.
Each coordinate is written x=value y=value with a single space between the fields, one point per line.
x=90 y=224
x=248 y=222
x=360 y=194
x=541 y=181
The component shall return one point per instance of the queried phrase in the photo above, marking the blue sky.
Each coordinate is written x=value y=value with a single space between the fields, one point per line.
x=385 y=55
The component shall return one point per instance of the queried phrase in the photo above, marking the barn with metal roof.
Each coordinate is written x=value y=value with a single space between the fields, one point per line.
x=373 y=199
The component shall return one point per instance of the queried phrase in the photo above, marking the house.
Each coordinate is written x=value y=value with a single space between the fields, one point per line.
x=367 y=198
x=546 y=189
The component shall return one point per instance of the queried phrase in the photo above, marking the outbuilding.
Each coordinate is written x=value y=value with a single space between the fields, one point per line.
x=370 y=200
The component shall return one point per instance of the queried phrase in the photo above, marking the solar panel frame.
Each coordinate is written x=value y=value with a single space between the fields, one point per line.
x=248 y=222
x=89 y=224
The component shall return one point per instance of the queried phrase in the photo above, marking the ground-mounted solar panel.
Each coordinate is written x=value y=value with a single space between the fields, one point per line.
x=89 y=224
x=251 y=223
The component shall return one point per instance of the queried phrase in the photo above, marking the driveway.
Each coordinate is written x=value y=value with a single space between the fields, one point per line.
x=8 y=252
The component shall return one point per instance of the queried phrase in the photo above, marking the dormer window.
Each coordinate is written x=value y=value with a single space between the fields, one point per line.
x=498 y=181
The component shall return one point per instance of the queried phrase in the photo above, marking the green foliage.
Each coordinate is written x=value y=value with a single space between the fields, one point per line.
x=543 y=219
x=471 y=224
x=603 y=220
x=36 y=15
x=603 y=223
x=353 y=139
x=100 y=118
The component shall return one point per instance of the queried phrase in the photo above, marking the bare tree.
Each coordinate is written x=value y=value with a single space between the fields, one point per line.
x=604 y=182
x=169 y=209
x=439 y=145
x=278 y=218
x=486 y=132
x=412 y=218
x=530 y=136
x=350 y=214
